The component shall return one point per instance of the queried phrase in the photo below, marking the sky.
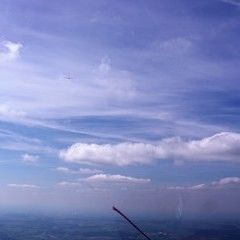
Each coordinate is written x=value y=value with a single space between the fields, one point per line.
x=132 y=103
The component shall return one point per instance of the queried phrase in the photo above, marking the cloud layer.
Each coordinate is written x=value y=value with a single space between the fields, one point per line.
x=106 y=179
x=224 y=146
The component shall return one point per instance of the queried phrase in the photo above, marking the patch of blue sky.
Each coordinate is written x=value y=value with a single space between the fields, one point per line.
x=107 y=72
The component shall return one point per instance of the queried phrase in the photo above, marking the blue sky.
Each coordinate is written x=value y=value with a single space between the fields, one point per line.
x=110 y=99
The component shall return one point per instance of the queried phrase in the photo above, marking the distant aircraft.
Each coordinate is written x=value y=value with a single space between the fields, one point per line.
x=133 y=224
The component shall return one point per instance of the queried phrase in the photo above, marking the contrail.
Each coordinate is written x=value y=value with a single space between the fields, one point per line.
x=133 y=224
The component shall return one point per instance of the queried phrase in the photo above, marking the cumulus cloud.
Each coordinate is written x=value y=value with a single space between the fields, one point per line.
x=223 y=146
x=79 y=171
x=119 y=154
x=30 y=158
x=25 y=186
x=9 y=50
x=115 y=179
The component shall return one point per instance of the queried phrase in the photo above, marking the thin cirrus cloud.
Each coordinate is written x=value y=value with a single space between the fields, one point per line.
x=68 y=184
x=175 y=46
x=223 y=146
x=233 y=2
x=121 y=179
x=224 y=182
x=78 y=171
x=22 y=186
x=104 y=82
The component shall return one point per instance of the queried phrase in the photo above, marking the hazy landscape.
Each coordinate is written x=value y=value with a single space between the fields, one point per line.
x=24 y=227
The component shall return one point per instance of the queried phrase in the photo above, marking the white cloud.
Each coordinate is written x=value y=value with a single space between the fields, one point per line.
x=79 y=171
x=30 y=158
x=194 y=187
x=9 y=50
x=120 y=154
x=197 y=187
x=227 y=180
x=89 y=171
x=224 y=146
x=224 y=182
x=104 y=178
x=67 y=184
x=64 y=170
x=25 y=186
x=115 y=179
